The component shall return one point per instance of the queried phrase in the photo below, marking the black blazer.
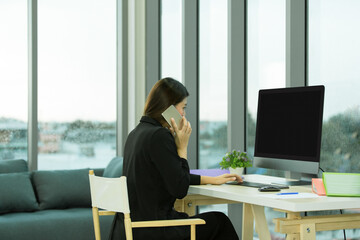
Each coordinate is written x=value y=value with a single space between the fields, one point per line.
x=156 y=177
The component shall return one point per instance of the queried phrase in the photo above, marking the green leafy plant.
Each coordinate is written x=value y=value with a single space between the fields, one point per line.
x=235 y=159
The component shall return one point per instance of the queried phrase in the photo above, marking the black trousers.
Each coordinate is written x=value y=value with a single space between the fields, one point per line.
x=218 y=227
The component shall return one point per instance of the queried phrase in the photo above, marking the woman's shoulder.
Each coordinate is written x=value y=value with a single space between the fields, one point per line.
x=161 y=133
x=153 y=131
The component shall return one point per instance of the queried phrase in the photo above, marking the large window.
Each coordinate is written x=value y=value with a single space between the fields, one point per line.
x=13 y=79
x=334 y=54
x=266 y=59
x=213 y=86
x=266 y=69
x=213 y=82
x=171 y=39
x=77 y=83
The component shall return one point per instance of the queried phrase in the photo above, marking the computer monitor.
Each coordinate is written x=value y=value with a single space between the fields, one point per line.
x=288 y=130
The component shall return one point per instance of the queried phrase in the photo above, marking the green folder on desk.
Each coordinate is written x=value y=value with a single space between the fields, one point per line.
x=342 y=184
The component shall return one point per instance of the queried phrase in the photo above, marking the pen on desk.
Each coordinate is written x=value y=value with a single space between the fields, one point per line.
x=287 y=193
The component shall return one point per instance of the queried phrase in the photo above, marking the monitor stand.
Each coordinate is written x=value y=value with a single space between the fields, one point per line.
x=294 y=179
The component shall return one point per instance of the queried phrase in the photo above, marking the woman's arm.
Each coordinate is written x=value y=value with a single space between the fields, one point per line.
x=221 y=179
x=181 y=137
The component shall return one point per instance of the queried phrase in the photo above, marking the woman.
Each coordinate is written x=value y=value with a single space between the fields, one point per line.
x=157 y=171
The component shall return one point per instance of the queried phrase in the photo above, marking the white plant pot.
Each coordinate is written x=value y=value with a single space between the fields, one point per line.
x=239 y=171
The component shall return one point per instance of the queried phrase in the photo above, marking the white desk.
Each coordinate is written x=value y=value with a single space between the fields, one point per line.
x=295 y=226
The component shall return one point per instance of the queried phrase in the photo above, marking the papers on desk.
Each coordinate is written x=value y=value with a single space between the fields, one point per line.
x=342 y=184
x=291 y=196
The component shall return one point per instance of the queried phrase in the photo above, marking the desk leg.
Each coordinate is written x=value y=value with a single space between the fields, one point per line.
x=307 y=231
x=248 y=223
x=292 y=237
x=293 y=215
x=260 y=222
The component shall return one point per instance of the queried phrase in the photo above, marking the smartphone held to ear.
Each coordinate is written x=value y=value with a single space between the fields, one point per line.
x=171 y=112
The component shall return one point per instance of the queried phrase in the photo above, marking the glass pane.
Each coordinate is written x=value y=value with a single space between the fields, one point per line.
x=213 y=85
x=334 y=54
x=171 y=39
x=213 y=82
x=13 y=79
x=266 y=60
x=77 y=83
x=266 y=69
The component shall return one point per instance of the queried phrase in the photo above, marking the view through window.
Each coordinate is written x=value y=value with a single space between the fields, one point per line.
x=171 y=39
x=334 y=54
x=213 y=85
x=266 y=59
x=213 y=82
x=76 y=83
x=266 y=69
x=13 y=79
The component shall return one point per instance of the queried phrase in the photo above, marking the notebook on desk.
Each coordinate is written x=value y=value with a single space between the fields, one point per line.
x=342 y=184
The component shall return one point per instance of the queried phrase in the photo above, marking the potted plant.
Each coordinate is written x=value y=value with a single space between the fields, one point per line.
x=235 y=161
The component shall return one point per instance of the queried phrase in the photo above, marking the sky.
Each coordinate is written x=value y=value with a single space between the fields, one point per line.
x=77 y=74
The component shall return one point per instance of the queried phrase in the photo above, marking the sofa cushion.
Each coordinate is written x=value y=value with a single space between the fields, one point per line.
x=53 y=224
x=114 y=168
x=62 y=189
x=12 y=166
x=16 y=193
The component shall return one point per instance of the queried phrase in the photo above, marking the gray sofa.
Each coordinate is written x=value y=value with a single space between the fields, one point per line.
x=46 y=205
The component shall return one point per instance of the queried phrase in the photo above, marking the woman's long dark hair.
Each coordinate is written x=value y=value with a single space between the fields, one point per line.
x=164 y=93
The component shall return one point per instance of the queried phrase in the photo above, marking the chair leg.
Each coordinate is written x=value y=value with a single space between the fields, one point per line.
x=95 y=211
x=193 y=232
x=128 y=226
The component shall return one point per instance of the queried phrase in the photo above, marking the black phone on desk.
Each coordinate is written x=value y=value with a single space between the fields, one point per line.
x=171 y=112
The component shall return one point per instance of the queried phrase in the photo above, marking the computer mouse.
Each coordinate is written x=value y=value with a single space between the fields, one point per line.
x=269 y=189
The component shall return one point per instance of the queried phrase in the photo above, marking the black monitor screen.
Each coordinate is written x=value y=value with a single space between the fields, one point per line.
x=289 y=123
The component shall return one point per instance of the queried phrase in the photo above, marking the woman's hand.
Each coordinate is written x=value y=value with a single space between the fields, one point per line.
x=182 y=136
x=221 y=179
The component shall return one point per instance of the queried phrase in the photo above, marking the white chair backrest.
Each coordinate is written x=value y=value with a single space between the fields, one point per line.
x=109 y=193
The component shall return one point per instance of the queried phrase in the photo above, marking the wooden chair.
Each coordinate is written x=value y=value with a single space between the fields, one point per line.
x=111 y=195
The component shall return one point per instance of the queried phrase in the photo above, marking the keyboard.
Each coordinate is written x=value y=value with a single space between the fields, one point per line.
x=256 y=185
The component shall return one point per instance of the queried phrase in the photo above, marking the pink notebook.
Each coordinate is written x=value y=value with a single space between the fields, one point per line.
x=318 y=187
